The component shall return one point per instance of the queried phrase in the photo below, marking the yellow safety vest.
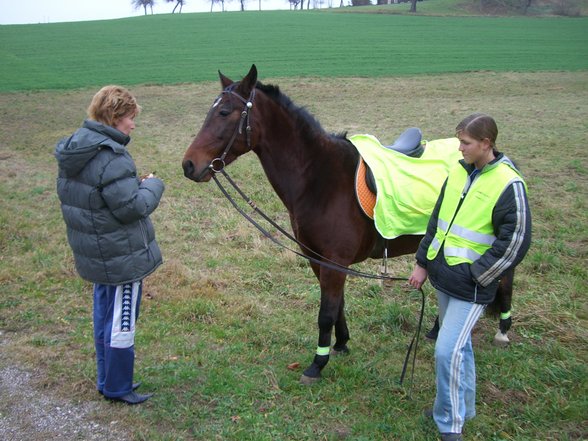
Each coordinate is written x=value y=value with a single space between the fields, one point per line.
x=468 y=233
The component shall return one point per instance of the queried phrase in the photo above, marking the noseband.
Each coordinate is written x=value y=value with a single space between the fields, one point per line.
x=218 y=164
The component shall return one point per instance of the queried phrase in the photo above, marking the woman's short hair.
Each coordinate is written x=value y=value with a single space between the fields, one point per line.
x=111 y=104
x=479 y=126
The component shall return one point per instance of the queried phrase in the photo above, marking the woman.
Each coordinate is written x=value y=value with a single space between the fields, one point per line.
x=106 y=209
x=480 y=227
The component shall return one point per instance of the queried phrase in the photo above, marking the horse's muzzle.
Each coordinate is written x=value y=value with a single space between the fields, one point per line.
x=196 y=175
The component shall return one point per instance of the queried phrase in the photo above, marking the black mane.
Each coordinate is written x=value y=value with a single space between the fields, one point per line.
x=303 y=116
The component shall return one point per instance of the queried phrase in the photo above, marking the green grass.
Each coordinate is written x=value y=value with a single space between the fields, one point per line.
x=228 y=312
x=171 y=49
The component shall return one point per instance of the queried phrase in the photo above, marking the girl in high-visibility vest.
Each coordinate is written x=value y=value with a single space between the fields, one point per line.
x=480 y=227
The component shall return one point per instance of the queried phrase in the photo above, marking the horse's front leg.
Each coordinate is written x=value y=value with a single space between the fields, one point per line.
x=330 y=314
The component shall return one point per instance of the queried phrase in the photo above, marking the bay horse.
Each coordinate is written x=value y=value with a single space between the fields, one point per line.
x=313 y=174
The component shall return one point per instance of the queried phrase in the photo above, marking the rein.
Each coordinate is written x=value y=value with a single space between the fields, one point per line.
x=319 y=260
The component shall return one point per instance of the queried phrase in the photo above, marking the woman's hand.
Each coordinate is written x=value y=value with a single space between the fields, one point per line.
x=418 y=276
x=150 y=175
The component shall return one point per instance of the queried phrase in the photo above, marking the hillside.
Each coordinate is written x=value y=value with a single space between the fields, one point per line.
x=172 y=49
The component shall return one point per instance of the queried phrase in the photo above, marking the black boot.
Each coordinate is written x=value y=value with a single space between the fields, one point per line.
x=135 y=387
x=131 y=398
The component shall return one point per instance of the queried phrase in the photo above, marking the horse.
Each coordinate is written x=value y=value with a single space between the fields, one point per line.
x=313 y=174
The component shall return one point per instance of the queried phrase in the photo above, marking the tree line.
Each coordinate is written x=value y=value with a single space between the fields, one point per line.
x=147 y=5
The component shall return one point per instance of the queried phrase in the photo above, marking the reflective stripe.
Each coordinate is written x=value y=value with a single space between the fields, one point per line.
x=435 y=244
x=487 y=239
x=442 y=224
x=461 y=252
x=323 y=350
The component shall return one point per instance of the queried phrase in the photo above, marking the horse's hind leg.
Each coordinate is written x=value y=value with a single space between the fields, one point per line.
x=503 y=303
x=341 y=331
x=332 y=283
x=434 y=331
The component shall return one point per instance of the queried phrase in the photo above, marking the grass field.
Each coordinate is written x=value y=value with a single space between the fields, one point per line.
x=170 y=49
x=228 y=312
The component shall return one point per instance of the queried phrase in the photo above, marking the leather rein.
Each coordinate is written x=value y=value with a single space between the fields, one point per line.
x=217 y=166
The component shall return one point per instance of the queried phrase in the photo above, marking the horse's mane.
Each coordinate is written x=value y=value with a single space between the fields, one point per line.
x=303 y=116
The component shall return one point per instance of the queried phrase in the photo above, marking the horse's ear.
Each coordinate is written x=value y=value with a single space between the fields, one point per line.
x=225 y=82
x=248 y=83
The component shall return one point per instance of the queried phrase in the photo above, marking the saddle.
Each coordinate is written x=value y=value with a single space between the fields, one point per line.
x=409 y=144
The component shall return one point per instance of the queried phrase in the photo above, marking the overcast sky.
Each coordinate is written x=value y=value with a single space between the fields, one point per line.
x=53 y=11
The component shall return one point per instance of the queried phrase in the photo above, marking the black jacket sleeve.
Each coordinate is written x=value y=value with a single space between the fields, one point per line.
x=511 y=218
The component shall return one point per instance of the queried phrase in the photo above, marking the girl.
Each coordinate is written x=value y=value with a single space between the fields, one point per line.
x=480 y=227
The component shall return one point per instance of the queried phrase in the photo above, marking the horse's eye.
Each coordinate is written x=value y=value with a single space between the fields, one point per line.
x=225 y=112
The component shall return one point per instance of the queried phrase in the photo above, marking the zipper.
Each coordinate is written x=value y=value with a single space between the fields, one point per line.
x=143 y=234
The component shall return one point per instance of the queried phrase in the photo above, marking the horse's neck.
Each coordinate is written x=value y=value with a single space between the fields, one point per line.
x=284 y=166
x=292 y=164
x=302 y=162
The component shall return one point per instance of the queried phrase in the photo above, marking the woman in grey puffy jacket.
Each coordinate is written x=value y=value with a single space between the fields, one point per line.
x=106 y=209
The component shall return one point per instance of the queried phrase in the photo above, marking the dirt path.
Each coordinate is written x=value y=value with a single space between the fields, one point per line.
x=30 y=414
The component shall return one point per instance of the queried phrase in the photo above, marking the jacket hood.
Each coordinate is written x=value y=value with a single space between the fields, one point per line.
x=74 y=152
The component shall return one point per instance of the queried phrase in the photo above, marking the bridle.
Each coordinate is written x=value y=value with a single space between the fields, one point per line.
x=217 y=166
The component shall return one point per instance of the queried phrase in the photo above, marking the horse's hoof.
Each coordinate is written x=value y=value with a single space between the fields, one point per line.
x=307 y=381
x=344 y=351
x=501 y=340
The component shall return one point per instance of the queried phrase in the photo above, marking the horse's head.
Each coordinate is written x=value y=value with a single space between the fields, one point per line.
x=225 y=134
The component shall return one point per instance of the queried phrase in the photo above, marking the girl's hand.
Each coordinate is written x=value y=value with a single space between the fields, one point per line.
x=418 y=277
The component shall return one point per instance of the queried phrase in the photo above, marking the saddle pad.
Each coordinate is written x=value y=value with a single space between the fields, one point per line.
x=407 y=188
x=365 y=197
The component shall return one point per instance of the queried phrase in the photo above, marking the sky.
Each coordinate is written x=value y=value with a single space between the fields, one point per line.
x=54 y=11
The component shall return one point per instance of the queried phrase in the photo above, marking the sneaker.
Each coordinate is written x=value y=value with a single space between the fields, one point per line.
x=451 y=437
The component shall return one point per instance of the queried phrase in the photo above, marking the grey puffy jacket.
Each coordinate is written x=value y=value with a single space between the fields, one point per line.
x=106 y=207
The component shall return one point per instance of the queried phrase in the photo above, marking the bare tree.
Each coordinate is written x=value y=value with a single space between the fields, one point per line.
x=179 y=3
x=143 y=3
x=222 y=3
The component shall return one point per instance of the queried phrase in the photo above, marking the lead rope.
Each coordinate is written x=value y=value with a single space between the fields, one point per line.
x=327 y=263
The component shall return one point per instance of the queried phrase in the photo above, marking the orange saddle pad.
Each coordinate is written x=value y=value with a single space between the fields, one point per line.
x=365 y=197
